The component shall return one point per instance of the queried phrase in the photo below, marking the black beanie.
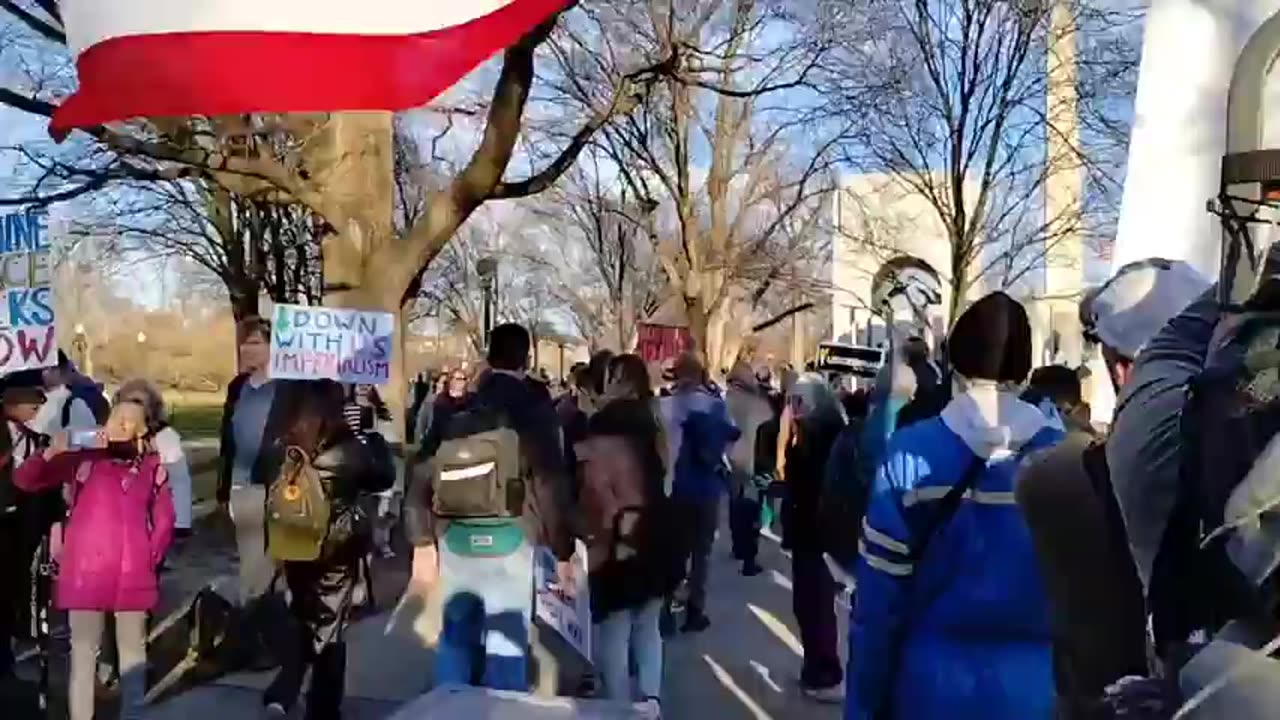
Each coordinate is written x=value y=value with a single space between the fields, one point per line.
x=992 y=340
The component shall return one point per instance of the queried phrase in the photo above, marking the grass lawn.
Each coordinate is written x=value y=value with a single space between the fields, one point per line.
x=196 y=416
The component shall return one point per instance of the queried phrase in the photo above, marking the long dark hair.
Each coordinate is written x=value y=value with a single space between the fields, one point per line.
x=318 y=422
x=632 y=370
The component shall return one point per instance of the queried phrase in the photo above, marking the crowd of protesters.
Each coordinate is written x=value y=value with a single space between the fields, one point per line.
x=1009 y=557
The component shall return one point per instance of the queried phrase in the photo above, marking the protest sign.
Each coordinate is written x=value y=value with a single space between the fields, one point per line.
x=27 y=335
x=565 y=610
x=319 y=343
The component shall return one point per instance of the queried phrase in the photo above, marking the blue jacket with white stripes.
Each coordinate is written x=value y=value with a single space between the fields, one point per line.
x=963 y=632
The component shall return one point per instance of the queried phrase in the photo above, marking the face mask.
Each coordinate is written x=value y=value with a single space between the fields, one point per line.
x=122 y=449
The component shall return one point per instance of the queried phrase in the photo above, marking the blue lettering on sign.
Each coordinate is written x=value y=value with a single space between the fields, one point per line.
x=30 y=307
x=23 y=232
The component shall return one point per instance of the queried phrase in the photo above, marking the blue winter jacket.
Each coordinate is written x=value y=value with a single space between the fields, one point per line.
x=962 y=633
x=705 y=434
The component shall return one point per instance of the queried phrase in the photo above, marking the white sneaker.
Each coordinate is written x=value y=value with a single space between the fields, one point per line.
x=276 y=710
x=833 y=695
x=652 y=708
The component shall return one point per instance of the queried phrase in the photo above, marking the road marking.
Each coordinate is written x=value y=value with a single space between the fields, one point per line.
x=728 y=682
x=778 y=628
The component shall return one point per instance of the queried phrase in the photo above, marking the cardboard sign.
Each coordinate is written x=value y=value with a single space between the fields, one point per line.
x=659 y=343
x=565 y=610
x=27 y=334
x=856 y=360
x=319 y=343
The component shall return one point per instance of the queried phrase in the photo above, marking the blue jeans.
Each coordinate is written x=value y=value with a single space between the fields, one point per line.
x=488 y=605
x=624 y=635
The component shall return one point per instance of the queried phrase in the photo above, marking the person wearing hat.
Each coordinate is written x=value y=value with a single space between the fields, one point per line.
x=951 y=619
x=1067 y=498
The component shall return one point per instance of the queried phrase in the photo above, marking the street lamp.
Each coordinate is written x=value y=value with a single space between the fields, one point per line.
x=487 y=269
x=81 y=346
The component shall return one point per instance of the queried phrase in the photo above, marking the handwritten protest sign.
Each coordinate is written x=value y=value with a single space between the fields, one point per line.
x=27 y=335
x=565 y=610
x=316 y=343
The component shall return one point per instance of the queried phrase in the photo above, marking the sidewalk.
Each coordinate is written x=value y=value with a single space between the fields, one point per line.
x=745 y=666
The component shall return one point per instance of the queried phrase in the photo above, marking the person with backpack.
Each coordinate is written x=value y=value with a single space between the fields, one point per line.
x=318 y=534
x=74 y=403
x=1067 y=498
x=951 y=618
x=699 y=433
x=817 y=420
x=119 y=525
x=845 y=486
x=750 y=410
x=627 y=528
x=489 y=485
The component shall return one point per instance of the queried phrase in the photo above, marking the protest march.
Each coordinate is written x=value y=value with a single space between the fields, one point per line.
x=669 y=360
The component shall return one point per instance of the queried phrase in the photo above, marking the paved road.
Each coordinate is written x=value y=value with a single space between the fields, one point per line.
x=746 y=666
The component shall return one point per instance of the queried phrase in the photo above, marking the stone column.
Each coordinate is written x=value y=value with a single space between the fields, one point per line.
x=1056 y=313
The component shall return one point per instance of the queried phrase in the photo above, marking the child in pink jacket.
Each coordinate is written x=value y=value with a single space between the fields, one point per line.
x=120 y=523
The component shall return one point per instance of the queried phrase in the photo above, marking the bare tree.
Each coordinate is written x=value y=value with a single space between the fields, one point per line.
x=598 y=250
x=1005 y=116
x=731 y=150
x=252 y=246
x=338 y=165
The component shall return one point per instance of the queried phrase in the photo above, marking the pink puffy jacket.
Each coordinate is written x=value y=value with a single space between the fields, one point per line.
x=120 y=525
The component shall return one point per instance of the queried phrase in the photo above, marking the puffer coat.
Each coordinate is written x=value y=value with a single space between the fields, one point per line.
x=120 y=524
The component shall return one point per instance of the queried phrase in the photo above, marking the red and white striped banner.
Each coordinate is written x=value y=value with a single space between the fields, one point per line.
x=165 y=58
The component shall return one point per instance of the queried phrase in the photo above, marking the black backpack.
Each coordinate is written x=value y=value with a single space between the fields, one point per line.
x=1216 y=559
x=92 y=397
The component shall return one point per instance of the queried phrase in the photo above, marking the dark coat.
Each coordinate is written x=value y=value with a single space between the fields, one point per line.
x=269 y=457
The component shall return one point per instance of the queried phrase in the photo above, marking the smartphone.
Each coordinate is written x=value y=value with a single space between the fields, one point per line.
x=82 y=439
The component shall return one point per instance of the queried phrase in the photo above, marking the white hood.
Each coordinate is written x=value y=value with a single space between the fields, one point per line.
x=993 y=422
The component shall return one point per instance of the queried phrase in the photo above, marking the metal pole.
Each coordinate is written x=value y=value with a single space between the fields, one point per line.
x=488 y=312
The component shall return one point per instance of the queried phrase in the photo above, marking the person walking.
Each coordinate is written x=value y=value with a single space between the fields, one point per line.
x=699 y=432
x=817 y=421
x=484 y=565
x=624 y=513
x=951 y=618
x=450 y=394
x=120 y=524
x=1068 y=499
x=750 y=410
x=322 y=590
x=21 y=518
x=254 y=416
x=370 y=420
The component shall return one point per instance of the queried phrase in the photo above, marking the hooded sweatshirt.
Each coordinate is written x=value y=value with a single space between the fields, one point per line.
x=955 y=625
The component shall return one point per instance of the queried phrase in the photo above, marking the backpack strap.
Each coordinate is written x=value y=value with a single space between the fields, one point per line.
x=947 y=507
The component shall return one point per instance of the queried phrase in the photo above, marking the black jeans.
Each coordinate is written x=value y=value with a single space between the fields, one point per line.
x=744 y=526
x=813 y=598
x=321 y=606
x=13 y=580
x=697 y=522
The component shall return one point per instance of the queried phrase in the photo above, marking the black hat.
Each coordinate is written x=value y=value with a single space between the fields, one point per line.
x=992 y=340
x=23 y=395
